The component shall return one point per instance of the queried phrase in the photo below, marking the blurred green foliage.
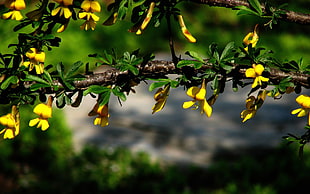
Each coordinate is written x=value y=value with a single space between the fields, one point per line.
x=44 y=162
x=208 y=25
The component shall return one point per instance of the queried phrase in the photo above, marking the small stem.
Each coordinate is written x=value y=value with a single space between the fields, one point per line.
x=171 y=44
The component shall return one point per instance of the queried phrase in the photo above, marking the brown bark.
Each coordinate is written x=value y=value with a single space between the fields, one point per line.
x=159 y=68
x=289 y=16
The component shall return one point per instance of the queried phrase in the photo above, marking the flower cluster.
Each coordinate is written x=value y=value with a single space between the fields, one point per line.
x=160 y=97
x=89 y=7
x=35 y=60
x=199 y=97
x=256 y=72
x=11 y=123
x=102 y=114
x=15 y=6
x=147 y=19
x=253 y=104
x=44 y=111
x=251 y=38
x=185 y=31
x=64 y=11
x=304 y=102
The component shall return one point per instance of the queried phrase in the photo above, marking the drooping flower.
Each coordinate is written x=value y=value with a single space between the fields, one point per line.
x=102 y=114
x=11 y=123
x=160 y=97
x=252 y=105
x=63 y=8
x=36 y=60
x=256 y=72
x=15 y=6
x=91 y=20
x=44 y=111
x=304 y=102
x=89 y=7
x=147 y=19
x=251 y=38
x=199 y=97
x=185 y=31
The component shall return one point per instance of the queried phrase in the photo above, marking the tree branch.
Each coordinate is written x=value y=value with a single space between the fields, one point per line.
x=160 y=68
x=289 y=16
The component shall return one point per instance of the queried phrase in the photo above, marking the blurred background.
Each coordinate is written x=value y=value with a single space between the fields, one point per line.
x=172 y=151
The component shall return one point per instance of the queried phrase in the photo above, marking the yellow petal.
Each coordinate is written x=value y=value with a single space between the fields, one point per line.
x=43 y=124
x=201 y=94
x=33 y=122
x=82 y=15
x=247 y=114
x=159 y=106
x=40 y=56
x=256 y=82
x=67 y=12
x=86 y=5
x=250 y=73
x=55 y=11
x=9 y=134
x=7 y=15
x=192 y=91
x=207 y=108
x=94 y=17
x=39 y=68
x=188 y=35
x=188 y=104
x=95 y=6
x=43 y=110
x=259 y=69
x=20 y=4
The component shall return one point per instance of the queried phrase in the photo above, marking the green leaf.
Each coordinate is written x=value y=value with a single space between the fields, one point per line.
x=157 y=85
x=243 y=10
x=104 y=98
x=37 y=86
x=195 y=64
x=227 y=50
x=73 y=69
x=10 y=80
x=256 y=5
x=116 y=91
x=96 y=89
x=30 y=77
x=194 y=55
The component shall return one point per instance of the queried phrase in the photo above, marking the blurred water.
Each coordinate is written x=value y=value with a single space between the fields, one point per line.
x=178 y=135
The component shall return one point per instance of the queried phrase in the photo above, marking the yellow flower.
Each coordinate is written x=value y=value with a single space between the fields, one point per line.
x=44 y=111
x=15 y=4
x=36 y=59
x=252 y=105
x=161 y=96
x=11 y=122
x=14 y=15
x=62 y=11
x=256 y=72
x=91 y=20
x=91 y=6
x=147 y=19
x=199 y=96
x=251 y=38
x=304 y=102
x=184 y=30
x=102 y=113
